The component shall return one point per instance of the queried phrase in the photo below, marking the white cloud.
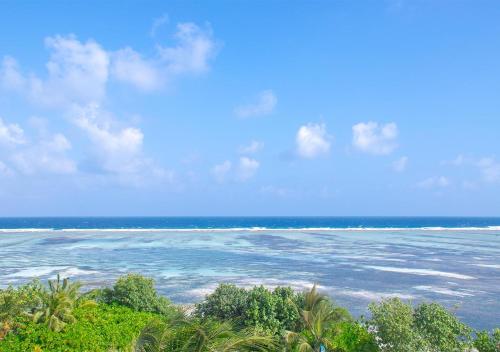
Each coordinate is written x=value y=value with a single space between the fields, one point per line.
x=10 y=76
x=128 y=66
x=370 y=137
x=118 y=149
x=195 y=47
x=46 y=156
x=252 y=148
x=266 y=102
x=247 y=168
x=221 y=171
x=312 y=140
x=243 y=171
x=400 y=164
x=11 y=134
x=194 y=50
x=78 y=72
x=458 y=161
x=434 y=182
x=490 y=169
x=157 y=23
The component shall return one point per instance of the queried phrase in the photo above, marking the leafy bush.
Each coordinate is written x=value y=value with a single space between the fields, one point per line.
x=17 y=303
x=138 y=292
x=353 y=337
x=97 y=328
x=268 y=311
x=485 y=342
x=399 y=327
x=227 y=302
x=440 y=328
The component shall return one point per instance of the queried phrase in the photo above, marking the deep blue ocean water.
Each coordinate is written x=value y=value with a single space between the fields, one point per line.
x=271 y=222
x=355 y=260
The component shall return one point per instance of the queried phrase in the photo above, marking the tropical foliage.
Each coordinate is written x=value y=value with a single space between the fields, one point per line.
x=267 y=311
x=132 y=316
x=58 y=303
x=319 y=317
x=399 y=327
x=139 y=293
x=201 y=336
x=97 y=328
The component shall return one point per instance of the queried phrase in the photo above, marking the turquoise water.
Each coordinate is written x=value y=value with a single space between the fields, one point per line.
x=455 y=261
x=271 y=222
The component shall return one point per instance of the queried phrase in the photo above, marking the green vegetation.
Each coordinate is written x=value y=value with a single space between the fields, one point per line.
x=132 y=316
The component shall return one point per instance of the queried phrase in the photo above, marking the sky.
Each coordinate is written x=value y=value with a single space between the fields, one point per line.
x=120 y=108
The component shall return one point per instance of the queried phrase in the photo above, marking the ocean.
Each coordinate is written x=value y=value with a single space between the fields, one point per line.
x=355 y=260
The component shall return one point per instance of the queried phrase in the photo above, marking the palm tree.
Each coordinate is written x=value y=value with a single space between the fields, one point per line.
x=318 y=317
x=58 y=304
x=200 y=336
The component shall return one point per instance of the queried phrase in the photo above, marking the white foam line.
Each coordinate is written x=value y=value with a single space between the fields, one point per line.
x=493 y=266
x=260 y=229
x=443 y=291
x=422 y=272
x=373 y=296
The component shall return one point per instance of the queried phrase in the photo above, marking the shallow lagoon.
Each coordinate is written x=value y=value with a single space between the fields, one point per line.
x=459 y=268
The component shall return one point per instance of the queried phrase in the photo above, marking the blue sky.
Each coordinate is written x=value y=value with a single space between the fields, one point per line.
x=250 y=108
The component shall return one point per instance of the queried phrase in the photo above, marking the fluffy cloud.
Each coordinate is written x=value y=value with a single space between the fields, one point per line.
x=194 y=50
x=118 y=149
x=266 y=102
x=247 y=168
x=46 y=156
x=399 y=165
x=78 y=72
x=10 y=75
x=75 y=82
x=252 y=148
x=490 y=169
x=129 y=66
x=434 y=182
x=11 y=134
x=312 y=140
x=370 y=137
x=192 y=54
x=220 y=171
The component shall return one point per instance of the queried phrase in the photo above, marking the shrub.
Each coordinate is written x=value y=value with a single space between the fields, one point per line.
x=227 y=302
x=288 y=304
x=268 y=311
x=261 y=311
x=485 y=342
x=353 y=337
x=98 y=328
x=18 y=303
x=393 y=323
x=399 y=327
x=137 y=292
x=440 y=328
